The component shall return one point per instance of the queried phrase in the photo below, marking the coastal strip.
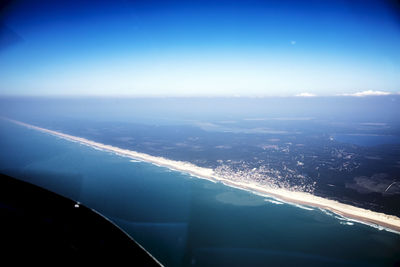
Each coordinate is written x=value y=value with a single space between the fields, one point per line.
x=347 y=211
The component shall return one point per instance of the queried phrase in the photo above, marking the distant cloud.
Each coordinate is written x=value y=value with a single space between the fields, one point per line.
x=305 y=94
x=368 y=93
x=292 y=42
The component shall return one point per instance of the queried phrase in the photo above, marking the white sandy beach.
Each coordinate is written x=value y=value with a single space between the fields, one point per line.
x=348 y=211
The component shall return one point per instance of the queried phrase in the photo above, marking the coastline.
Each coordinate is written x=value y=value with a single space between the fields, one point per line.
x=353 y=213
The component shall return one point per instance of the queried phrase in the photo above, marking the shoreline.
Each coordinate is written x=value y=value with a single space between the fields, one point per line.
x=292 y=197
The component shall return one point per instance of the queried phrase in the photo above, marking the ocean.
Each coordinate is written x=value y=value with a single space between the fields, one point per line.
x=185 y=221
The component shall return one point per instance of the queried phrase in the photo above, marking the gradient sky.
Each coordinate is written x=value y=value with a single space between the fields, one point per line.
x=247 y=48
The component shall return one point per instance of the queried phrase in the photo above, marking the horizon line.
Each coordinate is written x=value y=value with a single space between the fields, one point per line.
x=304 y=95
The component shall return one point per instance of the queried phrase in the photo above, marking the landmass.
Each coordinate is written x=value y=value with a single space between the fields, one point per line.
x=297 y=194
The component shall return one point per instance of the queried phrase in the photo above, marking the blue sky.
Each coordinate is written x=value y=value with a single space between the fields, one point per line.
x=200 y=48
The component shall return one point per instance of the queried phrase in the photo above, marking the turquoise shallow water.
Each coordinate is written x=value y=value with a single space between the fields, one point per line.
x=186 y=221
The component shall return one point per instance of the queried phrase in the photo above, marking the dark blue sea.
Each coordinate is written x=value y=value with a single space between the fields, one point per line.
x=186 y=221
